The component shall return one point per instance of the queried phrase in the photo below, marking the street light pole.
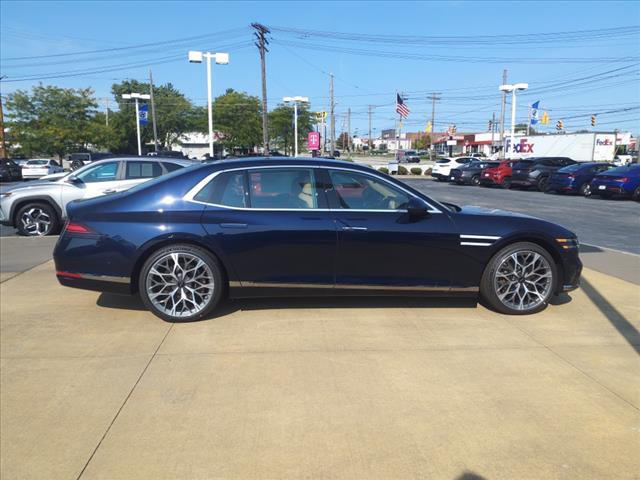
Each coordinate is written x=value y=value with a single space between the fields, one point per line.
x=513 y=88
x=220 y=59
x=295 y=101
x=136 y=97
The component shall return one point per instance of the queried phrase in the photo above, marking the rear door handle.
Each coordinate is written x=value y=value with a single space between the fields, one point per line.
x=356 y=229
x=233 y=225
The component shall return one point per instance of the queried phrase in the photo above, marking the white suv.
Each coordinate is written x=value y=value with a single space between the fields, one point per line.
x=39 y=208
x=442 y=168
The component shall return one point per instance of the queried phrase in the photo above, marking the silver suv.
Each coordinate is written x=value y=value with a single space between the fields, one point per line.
x=39 y=208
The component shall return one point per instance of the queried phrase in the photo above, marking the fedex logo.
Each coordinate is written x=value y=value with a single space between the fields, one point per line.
x=523 y=146
x=604 y=142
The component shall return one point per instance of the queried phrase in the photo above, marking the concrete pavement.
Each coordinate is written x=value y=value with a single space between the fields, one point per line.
x=94 y=387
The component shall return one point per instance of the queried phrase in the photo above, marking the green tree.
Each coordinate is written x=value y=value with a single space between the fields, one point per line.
x=54 y=121
x=522 y=127
x=342 y=141
x=421 y=143
x=281 y=130
x=175 y=116
x=237 y=116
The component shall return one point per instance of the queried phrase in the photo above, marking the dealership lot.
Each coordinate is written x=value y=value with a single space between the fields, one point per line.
x=94 y=386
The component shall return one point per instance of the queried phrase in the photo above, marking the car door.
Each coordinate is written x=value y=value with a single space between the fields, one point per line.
x=99 y=179
x=379 y=245
x=273 y=226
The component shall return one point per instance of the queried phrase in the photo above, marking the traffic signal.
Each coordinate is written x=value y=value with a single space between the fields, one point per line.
x=490 y=125
x=453 y=129
x=593 y=120
x=559 y=125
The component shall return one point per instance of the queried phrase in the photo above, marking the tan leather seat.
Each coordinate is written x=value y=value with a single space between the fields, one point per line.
x=306 y=195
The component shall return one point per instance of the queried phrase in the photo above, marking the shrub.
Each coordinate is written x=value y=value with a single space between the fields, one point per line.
x=383 y=170
x=402 y=170
x=428 y=171
x=416 y=171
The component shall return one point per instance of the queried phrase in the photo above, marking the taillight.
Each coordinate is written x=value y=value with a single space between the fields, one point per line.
x=571 y=176
x=621 y=179
x=77 y=228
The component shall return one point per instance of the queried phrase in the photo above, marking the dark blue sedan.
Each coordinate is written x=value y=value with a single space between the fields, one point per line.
x=621 y=181
x=282 y=227
x=576 y=178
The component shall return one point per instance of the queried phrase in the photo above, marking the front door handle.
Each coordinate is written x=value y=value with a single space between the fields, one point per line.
x=233 y=225
x=355 y=229
x=109 y=190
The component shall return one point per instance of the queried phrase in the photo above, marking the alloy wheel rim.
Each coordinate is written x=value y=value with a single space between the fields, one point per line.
x=36 y=221
x=180 y=284
x=587 y=190
x=523 y=280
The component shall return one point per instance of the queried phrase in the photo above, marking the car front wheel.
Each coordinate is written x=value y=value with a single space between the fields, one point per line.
x=542 y=184
x=636 y=194
x=181 y=283
x=585 y=190
x=36 y=220
x=519 y=280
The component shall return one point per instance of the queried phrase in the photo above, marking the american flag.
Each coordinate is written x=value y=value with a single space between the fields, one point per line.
x=401 y=108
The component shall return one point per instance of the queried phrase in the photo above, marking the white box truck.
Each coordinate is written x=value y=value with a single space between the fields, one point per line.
x=582 y=147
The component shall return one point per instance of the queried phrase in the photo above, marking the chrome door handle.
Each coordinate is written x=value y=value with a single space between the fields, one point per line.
x=233 y=225
x=109 y=190
x=357 y=229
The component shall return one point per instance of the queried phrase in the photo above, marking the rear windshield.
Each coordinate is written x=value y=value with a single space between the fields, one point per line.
x=37 y=162
x=633 y=169
x=443 y=161
x=575 y=167
x=523 y=164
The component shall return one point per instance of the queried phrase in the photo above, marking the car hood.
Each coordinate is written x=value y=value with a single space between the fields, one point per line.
x=474 y=210
x=34 y=186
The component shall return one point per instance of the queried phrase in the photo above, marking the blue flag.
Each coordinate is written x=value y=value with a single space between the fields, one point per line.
x=144 y=114
x=534 y=112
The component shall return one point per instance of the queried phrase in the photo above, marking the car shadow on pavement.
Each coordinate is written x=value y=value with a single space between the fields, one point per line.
x=227 y=307
x=617 y=320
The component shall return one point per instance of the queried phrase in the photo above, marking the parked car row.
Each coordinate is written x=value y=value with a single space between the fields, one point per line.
x=12 y=171
x=547 y=174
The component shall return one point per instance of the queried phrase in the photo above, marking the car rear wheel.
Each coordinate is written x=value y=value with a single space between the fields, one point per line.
x=36 y=220
x=585 y=190
x=542 y=184
x=519 y=280
x=475 y=180
x=636 y=194
x=506 y=183
x=181 y=283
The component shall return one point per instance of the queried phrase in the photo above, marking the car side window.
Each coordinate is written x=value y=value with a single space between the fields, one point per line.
x=226 y=189
x=105 y=172
x=363 y=192
x=136 y=170
x=54 y=163
x=287 y=188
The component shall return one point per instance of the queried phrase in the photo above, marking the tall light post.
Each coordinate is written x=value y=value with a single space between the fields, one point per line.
x=136 y=97
x=295 y=101
x=220 y=59
x=513 y=88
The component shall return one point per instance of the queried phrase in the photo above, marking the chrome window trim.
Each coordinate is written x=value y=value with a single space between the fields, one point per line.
x=346 y=286
x=189 y=196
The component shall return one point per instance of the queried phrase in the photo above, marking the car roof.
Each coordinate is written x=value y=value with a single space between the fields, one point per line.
x=286 y=161
x=180 y=161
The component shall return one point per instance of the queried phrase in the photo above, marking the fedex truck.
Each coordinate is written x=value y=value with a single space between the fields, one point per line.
x=582 y=147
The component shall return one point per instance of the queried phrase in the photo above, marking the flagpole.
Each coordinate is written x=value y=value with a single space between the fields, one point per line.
x=529 y=120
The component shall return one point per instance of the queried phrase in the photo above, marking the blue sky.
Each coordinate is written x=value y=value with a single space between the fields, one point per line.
x=298 y=64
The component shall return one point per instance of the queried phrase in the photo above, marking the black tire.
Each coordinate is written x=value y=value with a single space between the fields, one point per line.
x=475 y=180
x=506 y=183
x=636 y=194
x=488 y=292
x=585 y=189
x=542 y=183
x=215 y=272
x=37 y=219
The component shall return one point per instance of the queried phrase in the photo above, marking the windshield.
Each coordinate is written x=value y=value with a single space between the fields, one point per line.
x=37 y=162
x=523 y=164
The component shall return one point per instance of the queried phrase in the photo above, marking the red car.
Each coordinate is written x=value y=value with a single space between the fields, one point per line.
x=500 y=175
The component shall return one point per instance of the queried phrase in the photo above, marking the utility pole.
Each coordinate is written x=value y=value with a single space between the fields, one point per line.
x=261 y=34
x=153 y=112
x=493 y=130
x=3 y=144
x=349 y=131
x=502 y=110
x=434 y=98
x=332 y=117
x=370 y=140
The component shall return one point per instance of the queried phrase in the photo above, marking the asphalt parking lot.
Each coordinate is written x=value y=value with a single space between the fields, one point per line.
x=93 y=386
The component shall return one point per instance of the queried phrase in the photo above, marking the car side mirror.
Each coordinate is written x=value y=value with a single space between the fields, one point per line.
x=417 y=209
x=72 y=179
